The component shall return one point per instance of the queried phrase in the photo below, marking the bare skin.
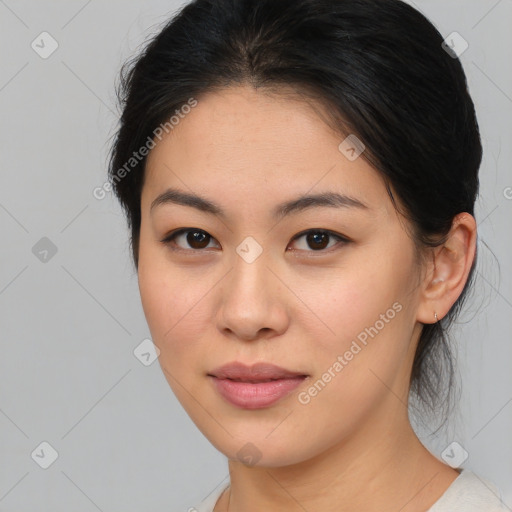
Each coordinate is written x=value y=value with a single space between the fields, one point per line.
x=351 y=445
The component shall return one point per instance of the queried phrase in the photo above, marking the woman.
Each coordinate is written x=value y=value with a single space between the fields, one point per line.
x=299 y=177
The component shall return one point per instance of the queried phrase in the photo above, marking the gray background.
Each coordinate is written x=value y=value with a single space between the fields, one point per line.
x=70 y=323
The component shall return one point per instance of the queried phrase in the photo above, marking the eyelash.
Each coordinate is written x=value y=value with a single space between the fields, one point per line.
x=170 y=239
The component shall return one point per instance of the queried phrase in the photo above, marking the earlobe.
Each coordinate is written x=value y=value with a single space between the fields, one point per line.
x=449 y=270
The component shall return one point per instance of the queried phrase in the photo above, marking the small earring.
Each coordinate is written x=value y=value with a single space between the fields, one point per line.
x=435 y=315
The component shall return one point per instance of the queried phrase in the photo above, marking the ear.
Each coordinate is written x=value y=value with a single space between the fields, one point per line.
x=448 y=271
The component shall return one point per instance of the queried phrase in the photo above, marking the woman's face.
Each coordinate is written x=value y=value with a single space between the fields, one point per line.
x=248 y=285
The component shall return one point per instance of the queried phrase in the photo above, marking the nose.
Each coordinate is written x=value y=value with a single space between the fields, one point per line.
x=252 y=301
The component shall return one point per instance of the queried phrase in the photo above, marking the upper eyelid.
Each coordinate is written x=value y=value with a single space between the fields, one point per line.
x=168 y=238
x=319 y=230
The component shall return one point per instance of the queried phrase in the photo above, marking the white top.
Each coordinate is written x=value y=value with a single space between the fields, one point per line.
x=467 y=493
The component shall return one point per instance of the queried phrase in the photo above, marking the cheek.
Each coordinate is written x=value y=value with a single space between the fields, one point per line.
x=370 y=314
x=175 y=304
x=354 y=301
x=169 y=308
x=173 y=313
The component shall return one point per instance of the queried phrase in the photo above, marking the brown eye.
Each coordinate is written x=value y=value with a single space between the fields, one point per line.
x=189 y=239
x=317 y=240
x=197 y=239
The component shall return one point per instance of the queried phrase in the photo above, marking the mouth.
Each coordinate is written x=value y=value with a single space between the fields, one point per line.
x=254 y=381
x=258 y=372
x=254 y=387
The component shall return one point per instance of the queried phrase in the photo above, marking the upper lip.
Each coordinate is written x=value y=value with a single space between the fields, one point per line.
x=255 y=372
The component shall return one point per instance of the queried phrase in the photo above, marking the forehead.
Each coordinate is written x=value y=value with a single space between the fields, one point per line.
x=250 y=146
x=240 y=121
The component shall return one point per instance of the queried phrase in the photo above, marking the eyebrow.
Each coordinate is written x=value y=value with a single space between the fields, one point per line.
x=325 y=199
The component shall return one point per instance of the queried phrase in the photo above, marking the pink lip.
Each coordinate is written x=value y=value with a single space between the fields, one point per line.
x=256 y=386
x=256 y=372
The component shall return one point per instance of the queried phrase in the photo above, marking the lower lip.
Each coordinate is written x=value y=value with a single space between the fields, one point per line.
x=249 y=395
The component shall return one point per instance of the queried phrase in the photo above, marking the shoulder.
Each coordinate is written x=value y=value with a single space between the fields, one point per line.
x=208 y=504
x=470 y=493
x=467 y=493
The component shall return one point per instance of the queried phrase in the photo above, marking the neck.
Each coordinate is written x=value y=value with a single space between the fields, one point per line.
x=381 y=467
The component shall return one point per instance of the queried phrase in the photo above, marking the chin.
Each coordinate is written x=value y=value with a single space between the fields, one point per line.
x=259 y=450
